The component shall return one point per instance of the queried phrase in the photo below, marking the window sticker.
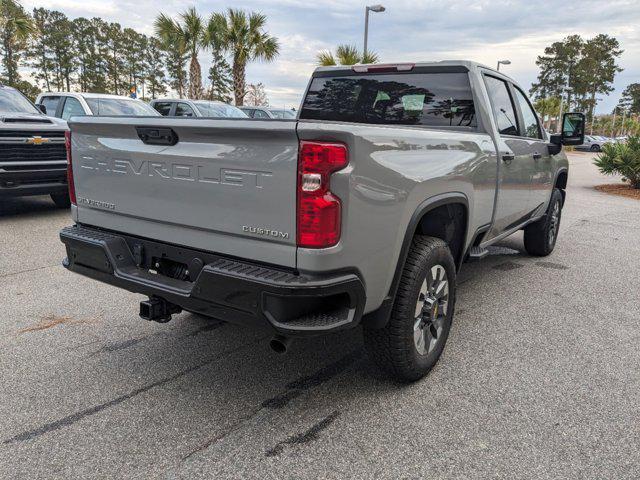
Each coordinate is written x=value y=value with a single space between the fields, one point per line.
x=413 y=103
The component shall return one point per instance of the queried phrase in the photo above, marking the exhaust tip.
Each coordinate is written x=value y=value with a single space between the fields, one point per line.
x=280 y=344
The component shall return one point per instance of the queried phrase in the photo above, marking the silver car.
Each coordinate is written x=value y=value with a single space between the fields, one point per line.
x=594 y=143
x=267 y=112
x=171 y=107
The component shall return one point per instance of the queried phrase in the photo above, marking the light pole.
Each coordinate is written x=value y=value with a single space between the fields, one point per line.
x=374 y=8
x=503 y=62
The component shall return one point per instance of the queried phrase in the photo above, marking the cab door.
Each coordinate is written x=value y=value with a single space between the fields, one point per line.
x=513 y=202
x=531 y=133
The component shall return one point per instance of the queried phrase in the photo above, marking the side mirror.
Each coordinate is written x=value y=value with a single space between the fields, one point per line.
x=42 y=108
x=573 y=129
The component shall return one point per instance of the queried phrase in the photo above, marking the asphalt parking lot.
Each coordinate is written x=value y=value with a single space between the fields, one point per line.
x=540 y=377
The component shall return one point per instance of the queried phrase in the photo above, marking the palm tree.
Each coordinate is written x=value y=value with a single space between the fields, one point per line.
x=188 y=36
x=16 y=26
x=243 y=36
x=345 y=55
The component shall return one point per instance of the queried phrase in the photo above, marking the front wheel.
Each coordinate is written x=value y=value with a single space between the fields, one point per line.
x=540 y=237
x=414 y=338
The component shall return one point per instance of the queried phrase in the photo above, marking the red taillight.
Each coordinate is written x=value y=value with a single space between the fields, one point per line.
x=318 y=209
x=72 y=187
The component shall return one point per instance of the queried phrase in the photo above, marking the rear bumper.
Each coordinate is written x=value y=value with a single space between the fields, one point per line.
x=17 y=183
x=250 y=294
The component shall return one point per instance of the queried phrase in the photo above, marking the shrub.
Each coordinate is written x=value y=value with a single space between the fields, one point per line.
x=622 y=159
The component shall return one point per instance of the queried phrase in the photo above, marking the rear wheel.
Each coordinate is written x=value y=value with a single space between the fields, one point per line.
x=595 y=148
x=61 y=200
x=540 y=237
x=414 y=338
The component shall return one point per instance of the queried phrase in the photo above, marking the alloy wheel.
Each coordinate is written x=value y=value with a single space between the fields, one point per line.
x=431 y=310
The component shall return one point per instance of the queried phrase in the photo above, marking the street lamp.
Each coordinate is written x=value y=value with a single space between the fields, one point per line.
x=373 y=8
x=503 y=62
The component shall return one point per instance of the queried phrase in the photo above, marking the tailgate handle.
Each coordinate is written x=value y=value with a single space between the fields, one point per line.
x=157 y=135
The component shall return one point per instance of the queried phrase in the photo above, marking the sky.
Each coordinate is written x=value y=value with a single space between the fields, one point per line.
x=481 y=30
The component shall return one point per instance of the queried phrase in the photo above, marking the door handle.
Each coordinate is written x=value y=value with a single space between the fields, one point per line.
x=536 y=156
x=508 y=158
x=157 y=136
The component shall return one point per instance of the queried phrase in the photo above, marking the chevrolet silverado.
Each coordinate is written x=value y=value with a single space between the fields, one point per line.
x=360 y=212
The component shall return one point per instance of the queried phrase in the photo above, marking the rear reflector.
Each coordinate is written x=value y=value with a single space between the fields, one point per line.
x=384 y=67
x=72 y=187
x=319 y=210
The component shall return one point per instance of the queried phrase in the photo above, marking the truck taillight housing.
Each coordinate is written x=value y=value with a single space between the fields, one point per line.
x=319 y=210
x=72 y=187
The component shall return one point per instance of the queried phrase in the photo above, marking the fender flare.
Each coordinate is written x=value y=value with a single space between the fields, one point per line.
x=379 y=318
x=555 y=181
x=560 y=170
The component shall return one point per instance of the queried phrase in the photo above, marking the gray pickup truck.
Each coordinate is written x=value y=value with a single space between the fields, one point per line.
x=33 y=158
x=358 y=213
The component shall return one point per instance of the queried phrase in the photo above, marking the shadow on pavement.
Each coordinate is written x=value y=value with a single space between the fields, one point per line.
x=27 y=207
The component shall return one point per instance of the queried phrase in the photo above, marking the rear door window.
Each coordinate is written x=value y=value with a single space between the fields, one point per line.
x=430 y=99
x=72 y=108
x=184 y=110
x=260 y=114
x=51 y=103
x=502 y=106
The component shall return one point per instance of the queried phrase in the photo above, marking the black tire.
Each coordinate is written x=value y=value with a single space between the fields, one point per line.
x=595 y=148
x=540 y=237
x=394 y=348
x=61 y=200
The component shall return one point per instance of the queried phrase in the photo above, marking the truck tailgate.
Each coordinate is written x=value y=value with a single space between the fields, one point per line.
x=226 y=186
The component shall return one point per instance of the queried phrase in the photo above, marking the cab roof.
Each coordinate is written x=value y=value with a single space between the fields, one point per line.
x=468 y=64
x=90 y=95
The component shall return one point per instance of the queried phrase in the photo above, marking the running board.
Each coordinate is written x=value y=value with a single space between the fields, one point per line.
x=477 y=253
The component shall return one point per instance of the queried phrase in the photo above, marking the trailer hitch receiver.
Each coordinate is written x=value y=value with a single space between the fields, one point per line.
x=158 y=310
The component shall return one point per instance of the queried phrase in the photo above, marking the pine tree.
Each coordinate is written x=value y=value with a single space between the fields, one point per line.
x=91 y=61
x=154 y=73
x=115 y=46
x=221 y=83
x=558 y=73
x=39 y=52
x=60 y=41
x=630 y=101
x=598 y=69
x=176 y=58
x=133 y=58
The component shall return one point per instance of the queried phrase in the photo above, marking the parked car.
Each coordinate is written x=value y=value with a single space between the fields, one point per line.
x=171 y=107
x=359 y=214
x=33 y=158
x=594 y=143
x=266 y=112
x=68 y=104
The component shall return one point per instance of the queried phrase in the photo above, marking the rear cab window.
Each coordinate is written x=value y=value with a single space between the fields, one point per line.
x=435 y=99
x=163 y=108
